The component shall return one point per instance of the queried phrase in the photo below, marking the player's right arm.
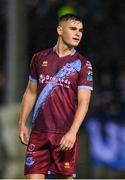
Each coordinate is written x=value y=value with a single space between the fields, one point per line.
x=28 y=101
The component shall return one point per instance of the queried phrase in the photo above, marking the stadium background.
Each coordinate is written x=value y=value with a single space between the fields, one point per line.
x=27 y=26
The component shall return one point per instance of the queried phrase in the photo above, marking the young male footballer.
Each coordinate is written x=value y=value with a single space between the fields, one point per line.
x=60 y=85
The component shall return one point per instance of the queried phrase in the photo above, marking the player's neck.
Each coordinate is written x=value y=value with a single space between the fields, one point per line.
x=63 y=49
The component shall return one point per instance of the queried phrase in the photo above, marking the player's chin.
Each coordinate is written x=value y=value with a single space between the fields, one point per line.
x=75 y=44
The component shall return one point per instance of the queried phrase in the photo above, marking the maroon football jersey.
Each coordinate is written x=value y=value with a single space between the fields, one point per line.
x=58 y=80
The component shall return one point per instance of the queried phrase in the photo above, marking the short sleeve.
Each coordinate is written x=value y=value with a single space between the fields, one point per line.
x=85 y=80
x=33 y=70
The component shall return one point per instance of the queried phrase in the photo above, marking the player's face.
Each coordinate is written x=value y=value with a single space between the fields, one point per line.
x=71 y=32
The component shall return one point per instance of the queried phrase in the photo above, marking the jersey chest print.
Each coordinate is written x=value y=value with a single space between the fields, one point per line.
x=60 y=79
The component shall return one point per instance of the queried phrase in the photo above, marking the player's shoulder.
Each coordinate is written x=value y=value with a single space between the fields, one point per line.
x=83 y=58
x=43 y=53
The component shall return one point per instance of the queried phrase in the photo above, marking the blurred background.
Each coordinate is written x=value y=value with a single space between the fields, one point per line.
x=28 y=26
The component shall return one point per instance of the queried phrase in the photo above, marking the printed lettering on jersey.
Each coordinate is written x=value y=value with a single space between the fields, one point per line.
x=52 y=80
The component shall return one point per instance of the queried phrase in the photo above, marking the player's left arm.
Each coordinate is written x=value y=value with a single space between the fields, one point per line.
x=69 y=138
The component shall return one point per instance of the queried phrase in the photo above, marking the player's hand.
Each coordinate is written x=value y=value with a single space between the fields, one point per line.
x=23 y=134
x=67 y=141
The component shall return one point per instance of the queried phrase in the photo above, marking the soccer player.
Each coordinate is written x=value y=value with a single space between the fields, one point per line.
x=60 y=84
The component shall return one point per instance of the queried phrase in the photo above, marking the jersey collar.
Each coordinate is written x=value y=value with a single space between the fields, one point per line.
x=72 y=53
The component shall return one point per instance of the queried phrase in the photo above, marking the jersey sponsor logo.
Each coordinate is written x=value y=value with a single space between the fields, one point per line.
x=45 y=63
x=89 y=75
x=29 y=161
x=52 y=80
x=67 y=165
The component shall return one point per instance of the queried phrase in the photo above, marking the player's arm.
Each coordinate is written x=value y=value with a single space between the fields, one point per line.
x=83 y=104
x=69 y=138
x=27 y=104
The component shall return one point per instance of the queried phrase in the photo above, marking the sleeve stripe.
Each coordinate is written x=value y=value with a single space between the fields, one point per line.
x=32 y=79
x=85 y=87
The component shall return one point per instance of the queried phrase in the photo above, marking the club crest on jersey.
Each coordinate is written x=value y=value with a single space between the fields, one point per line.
x=45 y=63
x=29 y=161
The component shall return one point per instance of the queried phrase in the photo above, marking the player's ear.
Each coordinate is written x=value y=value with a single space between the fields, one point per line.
x=59 y=30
